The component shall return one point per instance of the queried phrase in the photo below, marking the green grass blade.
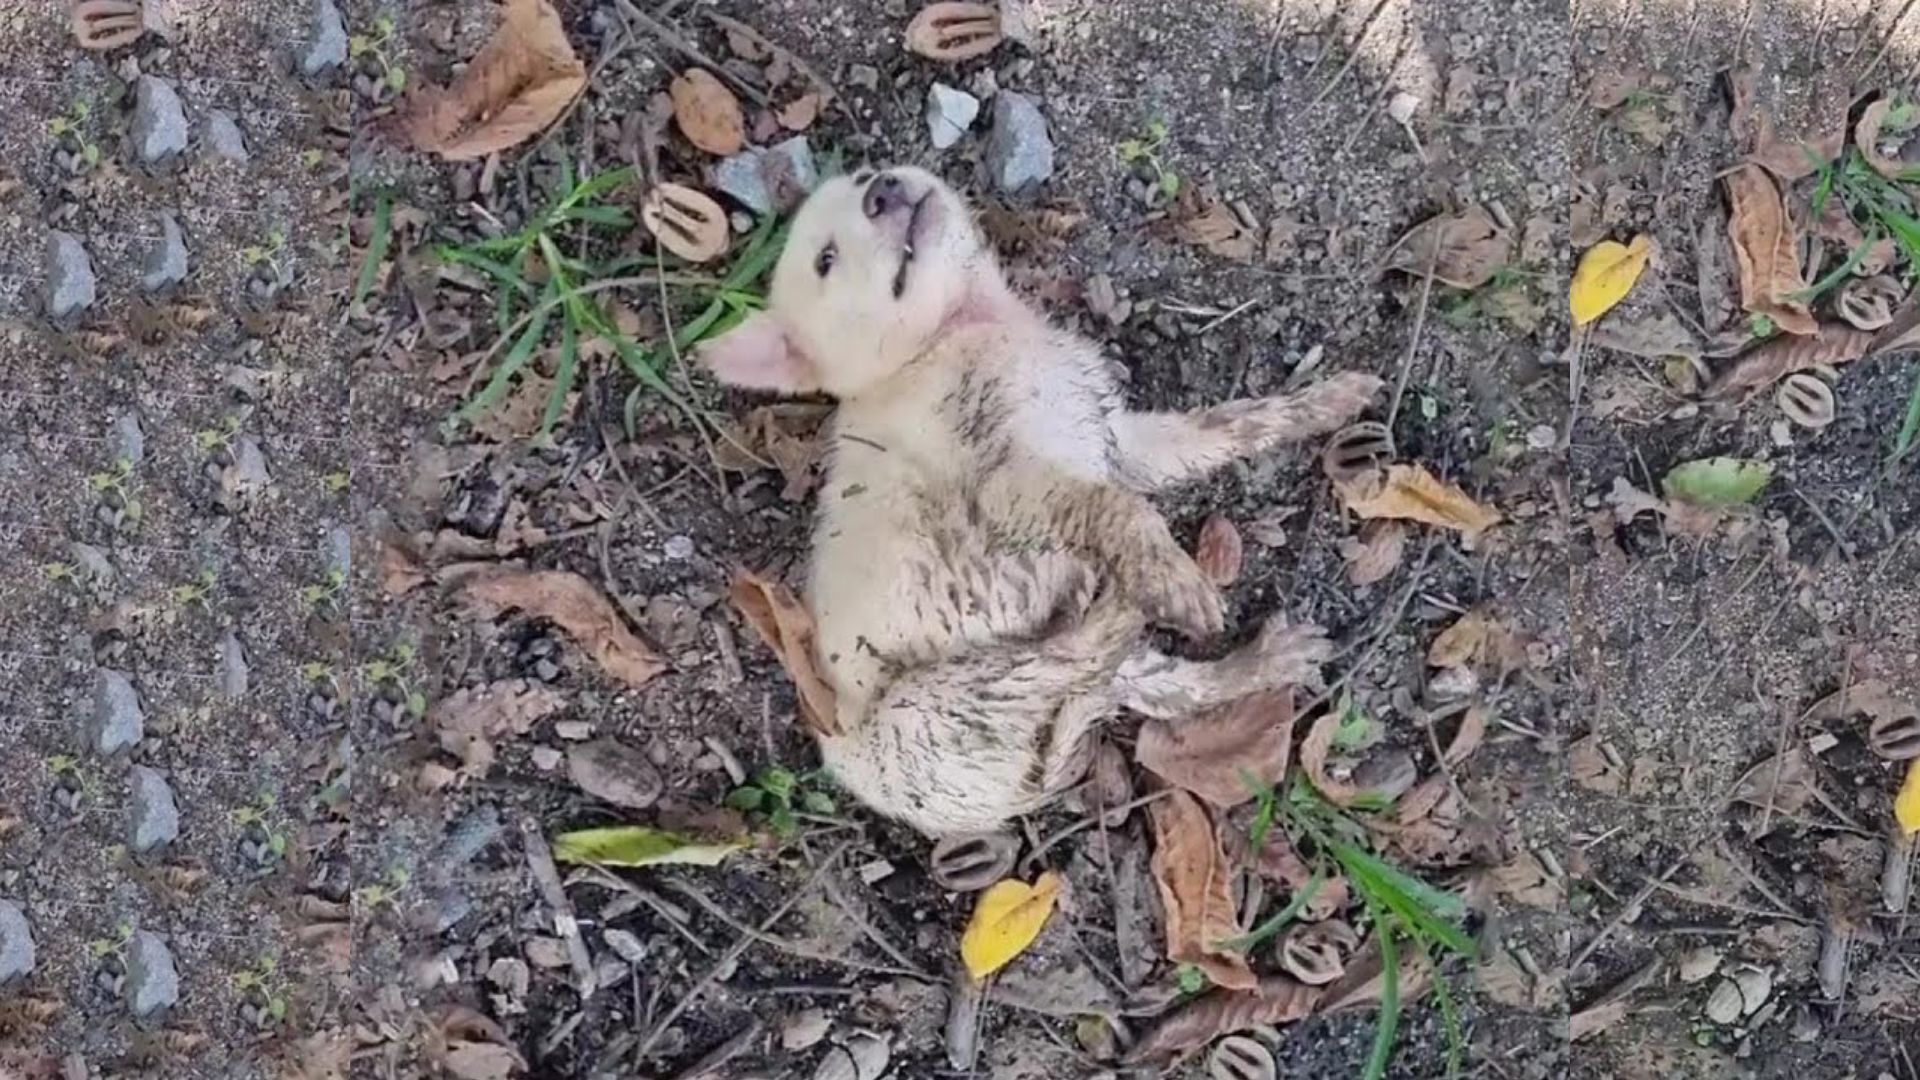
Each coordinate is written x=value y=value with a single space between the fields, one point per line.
x=376 y=248
x=501 y=272
x=595 y=186
x=1449 y=1019
x=1389 y=1023
x=1839 y=273
x=515 y=359
x=1910 y=427
x=563 y=376
x=597 y=215
x=1285 y=915
x=1429 y=911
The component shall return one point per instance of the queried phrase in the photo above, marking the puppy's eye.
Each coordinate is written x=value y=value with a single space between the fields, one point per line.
x=823 y=262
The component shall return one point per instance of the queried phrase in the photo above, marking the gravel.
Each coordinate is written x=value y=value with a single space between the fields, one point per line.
x=153 y=983
x=116 y=722
x=327 y=47
x=949 y=113
x=339 y=551
x=70 y=278
x=167 y=261
x=233 y=675
x=129 y=442
x=159 y=121
x=16 y=943
x=1019 y=153
x=224 y=139
x=156 y=817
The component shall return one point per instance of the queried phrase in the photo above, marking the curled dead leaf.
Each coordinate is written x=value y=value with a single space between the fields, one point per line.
x=707 y=112
x=786 y=627
x=1411 y=493
x=469 y=721
x=1196 y=891
x=1356 y=450
x=1766 y=249
x=800 y=113
x=1869 y=303
x=1463 y=250
x=1213 y=754
x=100 y=25
x=1833 y=345
x=1375 y=553
x=468 y=1045
x=686 y=222
x=1806 y=399
x=784 y=436
x=1218 y=551
x=573 y=604
x=1273 y=1000
x=519 y=82
x=1878 y=120
x=1202 y=219
x=1313 y=758
x=954 y=31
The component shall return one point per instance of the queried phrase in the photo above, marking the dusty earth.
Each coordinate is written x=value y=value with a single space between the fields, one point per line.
x=344 y=898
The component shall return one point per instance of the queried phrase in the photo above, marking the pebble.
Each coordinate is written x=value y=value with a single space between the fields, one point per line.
x=153 y=983
x=679 y=548
x=864 y=76
x=1724 y=1004
x=167 y=261
x=233 y=666
x=117 y=722
x=69 y=275
x=468 y=837
x=804 y=1029
x=771 y=179
x=156 y=817
x=92 y=561
x=16 y=943
x=1019 y=153
x=630 y=948
x=949 y=113
x=223 y=137
x=248 y=473
x=129 y=442
x=611 y=770
x=339 y=551
x=327 y=48
x=1698 y=964
x=159 y=122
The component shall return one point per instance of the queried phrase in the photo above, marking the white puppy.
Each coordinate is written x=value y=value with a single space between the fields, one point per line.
x=985 y=560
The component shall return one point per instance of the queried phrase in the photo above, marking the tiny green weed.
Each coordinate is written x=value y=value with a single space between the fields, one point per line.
x=114 y=486
x=394 y=671
x=268 y=254
x=101 y=948
x=197 y=591
x=263 y=814
x=375 y=44
x=1146 y=150
x=780 y=795
x=70 y=129
x=386 y=892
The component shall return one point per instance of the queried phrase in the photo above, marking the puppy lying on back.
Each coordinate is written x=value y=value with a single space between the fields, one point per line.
x=985 y=561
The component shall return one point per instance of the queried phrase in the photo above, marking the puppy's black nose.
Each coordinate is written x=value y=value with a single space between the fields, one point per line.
x=885 y=194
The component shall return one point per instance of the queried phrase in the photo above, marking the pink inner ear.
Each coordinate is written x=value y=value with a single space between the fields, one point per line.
x=758 y=354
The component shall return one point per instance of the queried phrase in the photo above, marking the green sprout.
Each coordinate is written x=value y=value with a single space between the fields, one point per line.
x=196 y=591
x=1146 y=150
x=395 y=670
x=116 y=485
x=781 y=795
x=375 y=45
x=70 y=127
x=268 y=253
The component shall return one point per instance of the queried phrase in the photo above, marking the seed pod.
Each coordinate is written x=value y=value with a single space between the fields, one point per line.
x=954 y=31
x=1896 y=738
x=1219 y=551
x=971 y=863
x=1316 y=953
x=1357 y=449
x=1869 y=303
x=1238 y=1057
x=107 y=24
x=685 y=221
x=1806 y=400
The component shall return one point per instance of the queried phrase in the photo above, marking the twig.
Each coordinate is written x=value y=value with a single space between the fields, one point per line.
x=729 y=650
x=547 y=877
x=1413 y=345
x=880 y=940
x=686 y=48
x=1627 y=909
x=708 y=1067
x=748 y=936
x=1383 y=623
x=1033 y=857
x=755 y=36
x=1224 y=316
x=788 y=945
x=1839 y=541
x=1353 y=55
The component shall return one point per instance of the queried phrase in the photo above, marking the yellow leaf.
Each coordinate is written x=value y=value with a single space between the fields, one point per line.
x=1605 y=275
x=1412 y=493
x=1005 y=921
x=1906 y=806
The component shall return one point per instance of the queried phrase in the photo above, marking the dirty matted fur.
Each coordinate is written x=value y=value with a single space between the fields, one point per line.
x=985 y=560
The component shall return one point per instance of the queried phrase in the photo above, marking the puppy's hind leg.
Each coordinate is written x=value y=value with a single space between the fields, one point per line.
x=1154 y=684
x=1155 y=450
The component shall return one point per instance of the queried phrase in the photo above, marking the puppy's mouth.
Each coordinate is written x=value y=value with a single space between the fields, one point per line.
x=916 y=227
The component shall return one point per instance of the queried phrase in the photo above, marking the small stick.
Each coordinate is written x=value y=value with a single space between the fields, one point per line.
x=729 y=651
x=787 y=945
x=746 y=941
x=547 y=877
x=708 y=1067
x=755 y=36
x=686 y=48
x=1413 y=345
x=1353 y=54
x=1027 y=864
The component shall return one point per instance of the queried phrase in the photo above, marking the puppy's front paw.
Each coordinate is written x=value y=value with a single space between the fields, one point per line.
x=1291 y=654
x=1179 y=596
x=1340 y=398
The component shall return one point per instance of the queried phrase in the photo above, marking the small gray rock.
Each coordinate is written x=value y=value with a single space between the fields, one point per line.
x=16 y=943
x=339 y=551
x=327 y=48
x=159 y=121
x=223 y=137
x=949 y=113
x=129 y=442
x=612 y=770
x=153 y=983
x=92 y=562
x=770 y=179
x=156 y=817
x=233 y=666
x=167 y=261
x=117 y=722
x=247 y=475
x=1019 y=153
x=69 y=275
x=630 y=948
x=739 y=176
x=468 y=837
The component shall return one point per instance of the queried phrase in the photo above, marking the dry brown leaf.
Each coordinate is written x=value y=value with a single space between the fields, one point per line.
x=1375 y=553
x=1411 y=493
x=1461 y=643
x=1834 y=344
x=1039 y=231
x=707 y=112
x=786 y=627
x=468 y=1045
x=1785 y=781
x=1275 y=999
x=1867 y=135
x=524 y=411
x=1589 y=766
x=323 y=1055
x=1463 y=250
x=400 y=571
x=1200 y=218
x=1596 y=1019
x=686 y=222
x=1196 y=891
x=784 y=436
x=1765 y=247
x=519 y=82
x=1218 y=551
x=1362 y=985
x=1525 y=880
x=1611 y=85
x=1313 y=758
x=954 y=31
x=1207 y=754
x=1656 y=338
x=468 y=722
x=800 y=113
x=573 y=604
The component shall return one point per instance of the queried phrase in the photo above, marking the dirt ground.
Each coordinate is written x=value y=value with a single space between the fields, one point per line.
x=351 y=893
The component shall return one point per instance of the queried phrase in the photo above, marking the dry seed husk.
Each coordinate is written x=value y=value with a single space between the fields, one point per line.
x=971 y=863
x=1806 y=400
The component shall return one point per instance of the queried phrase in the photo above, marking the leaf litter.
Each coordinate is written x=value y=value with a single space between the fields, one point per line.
x=1224 y=755
x=573 y=604
x=1196 y=891
x=1462 y=250
x=521 y=80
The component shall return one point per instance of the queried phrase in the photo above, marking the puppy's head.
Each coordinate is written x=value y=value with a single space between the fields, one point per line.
x=876 y=263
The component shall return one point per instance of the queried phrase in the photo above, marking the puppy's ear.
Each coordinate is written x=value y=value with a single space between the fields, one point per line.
x=758 y=354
